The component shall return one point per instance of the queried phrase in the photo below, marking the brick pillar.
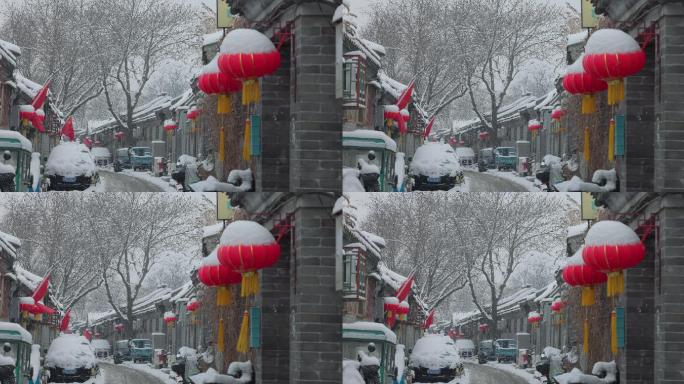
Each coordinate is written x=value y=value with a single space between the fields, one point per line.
x=273 y=171
x=272 y=360
x=669 y=343
x=669 y=156
x=316 y=308
x=316 y=137
x=636 y=169
x=636 y=363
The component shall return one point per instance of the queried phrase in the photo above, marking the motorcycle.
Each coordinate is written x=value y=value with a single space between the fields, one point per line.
x=543 y=366
x=370 y=182
x=544 y=176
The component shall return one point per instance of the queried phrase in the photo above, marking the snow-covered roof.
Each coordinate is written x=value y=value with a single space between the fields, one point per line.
x=9 y=244
x=9 y=52
x=27 y=278
x=362 y=329
x=141 y=114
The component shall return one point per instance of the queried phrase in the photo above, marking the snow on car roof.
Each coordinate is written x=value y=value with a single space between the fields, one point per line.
x=70 y=351
x=100 y=152
x=465 y=344
x=361 y=137
x=465 y=152
x=13 y=135
x=434 y=159
x=362 y=329
x=70 y=159
x=13 y=330
x=434 y=351
x=100 y=344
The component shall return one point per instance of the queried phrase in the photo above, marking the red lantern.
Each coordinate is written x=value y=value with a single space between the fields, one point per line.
x=87 y=142
x=213 y=82
x=391 y=305
x=170 y=319
x=577 y=273
x=558 y=113
x=484 y=135
x=119 y=136
x=119 y=327
x=612 y=55
x=534 y=318
x=534 y=125
x=392 y=113
x=404 y=118
x=403 y=310
x=170 y=126
x=87 y=335
x=483 y=327
x=453 y=142
x=611 y=247
x=26 y=113
x=26 y=306
x=579 y=82
x=557 y=305
x=212 y=274
x=246 y=55
x=192 y=305
x=247 y=247
x=39 y=120
x=193 y=113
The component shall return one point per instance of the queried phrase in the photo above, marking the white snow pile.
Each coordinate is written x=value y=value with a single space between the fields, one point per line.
x=7 y=360
x=367 y=168
x=350 y=372
x=7 y=169
x=576 y=67
x=100 y=344
x=35 y=170
x=13 y=135
x=72 y=159
x=577 y=38
x=246 y=232
x=101 y=153
x=350 y=180
x=576 y=230
x=576 y=259
x=35 y=362
x=211 y=376
x=238 y=181
x=611 y=41
x=434 y=351
x=607 y=370
x=435 y=160
x=610 y=232
x=400 y=169
x=366 y=360
x=400 y=360
x=576 y=184
x=212 y=38
x=187 y=160
x=187 y=352
x=246 y=41
x=212 y=67
x=363 y=135
x=70 y=351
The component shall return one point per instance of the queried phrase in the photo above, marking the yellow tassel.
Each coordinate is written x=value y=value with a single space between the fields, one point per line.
x=224 y=104
x=588 y=296
x=585 y=346
x=221 y=342
x=223 y=297
x=243 y=339
x=611 y=140
x=616 y=284
x=251 y=93
x=587 y=147
x=613 y=333
x=222 y=144
x=38 y=317
x=588 y=104
x=616 y=91
x=247 y=146
x=250 y=284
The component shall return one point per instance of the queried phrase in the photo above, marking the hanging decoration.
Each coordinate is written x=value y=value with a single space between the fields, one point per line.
x=87 y=142
x=429 y=320
x=247 y=55
x=612 y=247
x=403 y=311
x=558 y=113
x=243 y=338
x=578 y=82
x=391 y=307
x=26 y=305
x=557 y=305
x=170 y=126
x=119 y=136
x=192 y=305
x=578 y=273
x=587 y=144
x=483 y=328
x=38 y=121
x=26 y=113
x=119 y=327
x=246 y=247
x=64 y=324
x=213 y=274
x=611 y=140
x=193 y=113
x=534 y=126
x=534 y=318
x=484 y=135
x=41 y=309
x=170 y=319
x=213 y=82
x=612 y=55
x=68 y=129
x=405 y=117
x=392 y=115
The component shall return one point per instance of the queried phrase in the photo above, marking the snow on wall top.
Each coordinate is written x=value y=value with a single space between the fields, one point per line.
x=246 y=232
x=610 y=232
x=611 y=41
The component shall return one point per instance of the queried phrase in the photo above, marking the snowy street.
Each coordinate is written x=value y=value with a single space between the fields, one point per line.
x=484 y=182
x=484 y=374
x=120 y=182
x=119 y=374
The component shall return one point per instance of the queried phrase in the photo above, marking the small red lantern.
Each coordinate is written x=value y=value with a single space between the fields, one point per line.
x=170 y=319
x=193 y=113
x=612 y=55
x=87 y=334
x=119 y=327
x=26 y=113
x=484 y=135
x=611 y=247
x=392 y=113
x=213 y=82
x=579 y=82
x=246 y=55
x=557 y=305
x=192 y=305
x=39 y=120
x=87 y=142
x=534 y=318
x=391 y=305
x=534 y=125
x=26 y=306
x=558 y=113
x=577 y=273
x=212 y=274
x=170 y=126
x=483 y=327
x=245 y=248
x=453 y=142
x=119 y=136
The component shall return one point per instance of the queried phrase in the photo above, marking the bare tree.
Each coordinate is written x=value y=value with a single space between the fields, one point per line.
x=133 y=39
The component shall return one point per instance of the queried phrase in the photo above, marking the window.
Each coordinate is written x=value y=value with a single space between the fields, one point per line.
x=354 y=80
x=354 y=282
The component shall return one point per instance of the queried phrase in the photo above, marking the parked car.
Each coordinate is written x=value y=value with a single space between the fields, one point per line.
x=465 y=348
x=141 y=350
x=122 y=351
x=70 y=167
x=434 y=359
x=141 y=158
x=70 y=359
x=485 y=160
x=485 y=351
x=466 y=156
x=435 y=167
x=101 y=348
x=122 y=160
x=506 y=158
x=506 y=350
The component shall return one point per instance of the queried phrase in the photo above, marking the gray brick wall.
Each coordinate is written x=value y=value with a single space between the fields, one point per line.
x=316 y=308
x=316 y=130
x=669 y=143
x=636 y=169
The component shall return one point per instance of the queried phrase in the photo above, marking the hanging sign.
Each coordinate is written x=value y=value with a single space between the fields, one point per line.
x=224 y=19
x=589 y=17
x=589 y=209
x=224 y=210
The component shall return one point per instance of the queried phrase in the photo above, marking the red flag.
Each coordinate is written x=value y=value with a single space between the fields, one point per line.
x=64 y=324
x=405 y=98
x=68 y=129
x=41 y=289
x=42 y=308
x=39 y=100
x=87 y=335
x=428 y=129
x=405 y=288
x=429 y=320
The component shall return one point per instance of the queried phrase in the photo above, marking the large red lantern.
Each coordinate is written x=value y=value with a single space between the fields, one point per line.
x=170 y=126
x=213 y=82
x=246 y=55
x=534 y=318
x=26 y=114
x=212 y=274
x=39 y=120
x=392 y=113
x=26 y=306
x=403 y=311
x=611 y=247
x=612 y=55
x=577 y=81
x=577 y=273
x=247 y=247
x=405 y=117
